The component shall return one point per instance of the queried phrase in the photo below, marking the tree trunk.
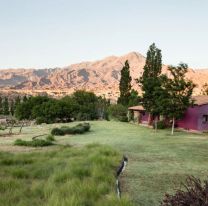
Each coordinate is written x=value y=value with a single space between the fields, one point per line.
x=149 y=119
x=21 y=127
x=156 y=120
x=173 y=125
x=10 y=130
x=128 y=115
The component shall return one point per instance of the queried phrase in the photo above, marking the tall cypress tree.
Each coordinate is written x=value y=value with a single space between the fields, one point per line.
x=6 y=106
x=125 y=85
x=150 y=80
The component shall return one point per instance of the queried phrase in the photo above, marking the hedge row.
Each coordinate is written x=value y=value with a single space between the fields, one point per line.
x=78 y=129
x=33 y=143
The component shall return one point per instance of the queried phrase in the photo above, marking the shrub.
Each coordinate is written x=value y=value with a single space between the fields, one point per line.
x=118 y=112
x=123 y=119
x=40 y=120
x=56 y=131
x=78 y=129
x=2 y=127
x=33 y=143
x=196 y=194
x=50 y=137
x=161 y=125
x=85 y=125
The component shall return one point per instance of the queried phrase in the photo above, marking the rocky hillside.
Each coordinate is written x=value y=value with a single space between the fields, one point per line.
x=101 y=76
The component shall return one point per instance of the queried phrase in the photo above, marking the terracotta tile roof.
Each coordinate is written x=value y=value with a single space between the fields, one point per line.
x=137 y=108
x=200 y=100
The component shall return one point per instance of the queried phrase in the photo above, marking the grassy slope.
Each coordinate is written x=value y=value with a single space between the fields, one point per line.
x=158 y=162
x=63 y=177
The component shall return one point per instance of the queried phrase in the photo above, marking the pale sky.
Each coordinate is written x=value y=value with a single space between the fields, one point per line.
x=54 y=33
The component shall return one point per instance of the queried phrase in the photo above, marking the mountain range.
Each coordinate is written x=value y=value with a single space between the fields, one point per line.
x=101 y=77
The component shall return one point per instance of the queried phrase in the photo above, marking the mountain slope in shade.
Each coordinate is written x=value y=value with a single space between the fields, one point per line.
x=101 y=76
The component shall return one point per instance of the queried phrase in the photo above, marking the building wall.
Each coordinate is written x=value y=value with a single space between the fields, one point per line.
x=144 y=117
x=189 y=120
x=193 y=118
x=202 y=125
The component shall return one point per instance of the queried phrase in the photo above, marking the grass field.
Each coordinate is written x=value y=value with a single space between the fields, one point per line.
x=158 y=162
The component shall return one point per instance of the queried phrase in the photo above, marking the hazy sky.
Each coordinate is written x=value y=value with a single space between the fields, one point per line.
x=50 y=33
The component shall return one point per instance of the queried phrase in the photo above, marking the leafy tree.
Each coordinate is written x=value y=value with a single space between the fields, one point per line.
x=134 y=98
x=175 y=94
x=17 y=101
x=47 y=111
x=125 y=85
x=150 y=81
x=25 y=98
x=66 y=109
x=6 y=106
x=87 y=103
x=24 y=109
x=118 y=112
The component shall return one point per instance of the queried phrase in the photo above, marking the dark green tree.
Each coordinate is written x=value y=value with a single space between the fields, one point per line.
x=17 y=101
x=12 y=107
x=125 y=85
x=24 y=109
x=150 y=80
x=6 y=106
x=102 y=108
x=118 y=112
x=87 y=104
x=134 y=98
x=25 y=98
x=175 y=94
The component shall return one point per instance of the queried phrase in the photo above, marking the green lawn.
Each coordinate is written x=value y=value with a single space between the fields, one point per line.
x=158 y=162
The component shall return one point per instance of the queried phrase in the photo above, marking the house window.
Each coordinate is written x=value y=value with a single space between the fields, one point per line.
x=205 y=118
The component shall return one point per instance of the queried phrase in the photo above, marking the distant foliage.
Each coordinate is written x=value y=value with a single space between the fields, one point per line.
x=195 y=193
x=33 y=143
x=118 y=112
x=78 y=129
x=81 y=105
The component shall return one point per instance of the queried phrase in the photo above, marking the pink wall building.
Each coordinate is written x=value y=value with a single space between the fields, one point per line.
x=195 y=118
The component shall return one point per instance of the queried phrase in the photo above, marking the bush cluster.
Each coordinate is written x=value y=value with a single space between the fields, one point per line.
x=162 y=124
x=2 y=127
x=81 y=105
x=196 y=194
x=33 y=143
x=50 y=137
x=118 y=112
x=78 y=129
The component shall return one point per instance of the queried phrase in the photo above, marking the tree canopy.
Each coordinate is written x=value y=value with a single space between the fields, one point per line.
x=150 y=79
x=125 y=85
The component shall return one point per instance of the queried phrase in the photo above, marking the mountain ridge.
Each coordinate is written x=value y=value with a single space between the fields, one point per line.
x=100 y=76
